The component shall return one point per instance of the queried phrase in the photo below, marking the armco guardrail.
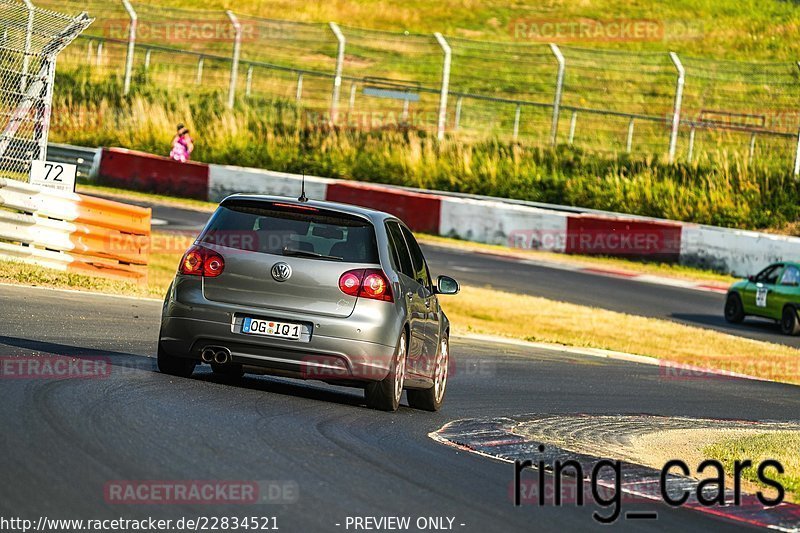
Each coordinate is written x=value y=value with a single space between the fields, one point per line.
x=86 y=159
x=494 y=221
x=73 y=232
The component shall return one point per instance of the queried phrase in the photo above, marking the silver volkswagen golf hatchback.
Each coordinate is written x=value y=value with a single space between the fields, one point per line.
x=311 y=290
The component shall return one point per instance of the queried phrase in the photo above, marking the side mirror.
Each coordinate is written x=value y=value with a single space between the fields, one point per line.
x=446 y=285
x=751 y=278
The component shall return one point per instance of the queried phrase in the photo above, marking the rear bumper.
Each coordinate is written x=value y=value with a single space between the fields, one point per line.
x=325 y=358
x=336 y=350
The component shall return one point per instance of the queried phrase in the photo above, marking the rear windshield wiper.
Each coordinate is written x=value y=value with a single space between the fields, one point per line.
x=305 y=253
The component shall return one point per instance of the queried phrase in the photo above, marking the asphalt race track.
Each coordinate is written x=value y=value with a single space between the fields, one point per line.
x=63 y=440
x=687 y=306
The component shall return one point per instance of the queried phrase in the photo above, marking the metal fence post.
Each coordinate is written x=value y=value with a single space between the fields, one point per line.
x=629 y=140
x=691 y=144
x=458 y=113
x=352 y=102
x=573 y=120
x=676 y=108
x=99 y=60
x=337 y=79
x=516 y=122
x=448 y=55
x=237 y=47
x=752 y=148
x=28 y=36
x=147 y=56
x=299 y=93
x=199 y=78
x=796 y=171
x=126 y=86
x=45 y=112
x=559 y=88
x=248 y=89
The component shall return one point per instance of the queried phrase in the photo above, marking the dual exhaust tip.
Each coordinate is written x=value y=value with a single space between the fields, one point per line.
x=216 y=354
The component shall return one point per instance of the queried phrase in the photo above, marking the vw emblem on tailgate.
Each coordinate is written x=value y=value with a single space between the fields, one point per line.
x=281 y=271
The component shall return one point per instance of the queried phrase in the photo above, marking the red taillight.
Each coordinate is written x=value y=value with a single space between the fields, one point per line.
x=366 y=283
x=200 y=261
x=350 y=282
x=376 y=286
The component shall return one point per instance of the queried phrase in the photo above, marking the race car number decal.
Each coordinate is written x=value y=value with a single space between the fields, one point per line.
x=761 y=297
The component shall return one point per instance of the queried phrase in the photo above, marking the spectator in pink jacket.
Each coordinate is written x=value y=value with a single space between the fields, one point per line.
x=182 y=145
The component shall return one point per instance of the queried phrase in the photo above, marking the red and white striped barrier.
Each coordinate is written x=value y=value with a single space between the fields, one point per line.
x=480 y=220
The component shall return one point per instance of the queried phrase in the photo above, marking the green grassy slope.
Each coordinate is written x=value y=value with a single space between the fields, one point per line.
x=741 y=29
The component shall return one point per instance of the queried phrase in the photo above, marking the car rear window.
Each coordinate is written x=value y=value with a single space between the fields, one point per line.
x=289 y=229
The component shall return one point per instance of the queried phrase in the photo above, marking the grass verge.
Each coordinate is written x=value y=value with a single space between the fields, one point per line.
x=783 y=447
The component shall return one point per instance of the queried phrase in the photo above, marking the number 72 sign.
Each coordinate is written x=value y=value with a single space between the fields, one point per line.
x=59 y=176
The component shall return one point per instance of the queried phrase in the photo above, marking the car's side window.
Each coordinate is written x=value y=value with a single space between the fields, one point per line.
x=769 y=275
x=791 y=276
x=399 y=249
x=393 y=251
x=420 y=267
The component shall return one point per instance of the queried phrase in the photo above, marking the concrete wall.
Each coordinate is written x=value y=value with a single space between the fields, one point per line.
x=739 y=252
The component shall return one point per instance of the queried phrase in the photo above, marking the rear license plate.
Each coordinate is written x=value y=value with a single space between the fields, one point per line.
x=271 y=328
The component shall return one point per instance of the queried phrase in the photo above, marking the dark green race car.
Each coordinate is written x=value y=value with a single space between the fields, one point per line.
x=772 y=293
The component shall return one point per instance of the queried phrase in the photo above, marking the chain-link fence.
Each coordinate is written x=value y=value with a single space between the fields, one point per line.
x=653 y=103
x=30 y=40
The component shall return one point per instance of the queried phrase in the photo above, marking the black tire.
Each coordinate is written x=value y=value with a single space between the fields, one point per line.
x=432 y=399
x=734 y=311
x=790 y=325
x=231 y=370
x=175 y=366
x=385 y=395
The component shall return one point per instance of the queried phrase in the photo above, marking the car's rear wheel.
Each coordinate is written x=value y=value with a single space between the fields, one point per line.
x=432 y=399
x=385 y=394
x=734 y=311
x=790 y=325
x=175 y=366
x=230 y=370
